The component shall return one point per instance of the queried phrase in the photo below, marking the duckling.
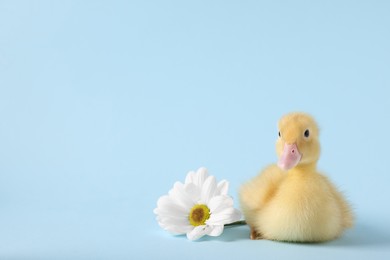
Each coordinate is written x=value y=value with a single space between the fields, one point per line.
x=291 y=200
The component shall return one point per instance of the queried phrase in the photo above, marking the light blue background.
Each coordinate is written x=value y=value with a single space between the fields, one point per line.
x=104 y=105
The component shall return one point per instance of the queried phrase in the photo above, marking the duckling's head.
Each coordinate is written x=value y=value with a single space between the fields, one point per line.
x=298 y=143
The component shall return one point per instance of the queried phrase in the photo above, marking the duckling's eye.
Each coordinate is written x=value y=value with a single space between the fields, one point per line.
x=279 y=134
x=306 y=133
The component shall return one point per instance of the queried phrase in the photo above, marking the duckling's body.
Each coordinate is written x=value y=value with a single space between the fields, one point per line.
x=293 y=201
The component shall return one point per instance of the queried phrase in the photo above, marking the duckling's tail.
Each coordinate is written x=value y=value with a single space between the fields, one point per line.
x=348 y=218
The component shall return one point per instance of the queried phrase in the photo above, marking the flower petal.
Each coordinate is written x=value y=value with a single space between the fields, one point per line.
x=173 y=221
x=236 y=216
x=226 y=216
x=166 y=205
x=219 y=203
x=200 y=176
x=190 y=177
x=223 y=187
x=165 y=213
x=181 y=197
x=208 y=189
x=198 y=232
x=193 y=191
x=216 y=230
x=176 y=229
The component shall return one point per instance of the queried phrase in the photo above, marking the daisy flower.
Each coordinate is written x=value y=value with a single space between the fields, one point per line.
x=199 y=206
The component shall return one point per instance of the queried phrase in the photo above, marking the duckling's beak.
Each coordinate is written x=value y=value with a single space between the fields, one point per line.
x=290 y=157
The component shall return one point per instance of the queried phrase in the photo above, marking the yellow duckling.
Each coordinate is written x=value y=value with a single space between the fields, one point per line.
x=292 y=201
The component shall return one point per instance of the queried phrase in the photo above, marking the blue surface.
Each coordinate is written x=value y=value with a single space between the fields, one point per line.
x=104 y=105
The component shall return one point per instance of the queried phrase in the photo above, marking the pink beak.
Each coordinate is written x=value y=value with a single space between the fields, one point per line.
x=290 y=157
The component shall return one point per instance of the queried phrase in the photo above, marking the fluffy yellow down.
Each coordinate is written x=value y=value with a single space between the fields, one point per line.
x=300 y=204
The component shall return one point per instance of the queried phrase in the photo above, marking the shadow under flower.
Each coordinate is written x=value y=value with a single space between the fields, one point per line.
x=230 y=234
x=235 y=233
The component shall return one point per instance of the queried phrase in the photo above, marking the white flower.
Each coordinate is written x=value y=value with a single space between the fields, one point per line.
x=198 y=207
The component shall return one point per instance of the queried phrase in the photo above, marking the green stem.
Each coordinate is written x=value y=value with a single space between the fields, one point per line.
x=237 y=223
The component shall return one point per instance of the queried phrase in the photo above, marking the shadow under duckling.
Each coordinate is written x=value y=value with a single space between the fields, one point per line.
x=292 y=201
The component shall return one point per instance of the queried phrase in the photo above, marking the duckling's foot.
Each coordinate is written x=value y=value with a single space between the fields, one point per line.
x=255 y=235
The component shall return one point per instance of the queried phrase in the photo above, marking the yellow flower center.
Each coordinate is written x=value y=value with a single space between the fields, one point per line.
x=198 y=215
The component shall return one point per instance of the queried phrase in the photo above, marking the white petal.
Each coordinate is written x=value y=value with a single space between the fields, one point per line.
x=198 y=232
x=216 y=230
x=208 y=189
x=236 y=216
x=181 y=197
x=173 y=221
x=223 y=187
x=169 y=203
x=193 y=191
x=166 y=205
x=173 y=225
x=200 y=176
x=164 y=213
x=219 y=203
x=176 y=229
x=190 y=177
x=226 y=216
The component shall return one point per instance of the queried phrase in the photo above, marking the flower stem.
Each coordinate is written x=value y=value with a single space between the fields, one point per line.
x=237 y=223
